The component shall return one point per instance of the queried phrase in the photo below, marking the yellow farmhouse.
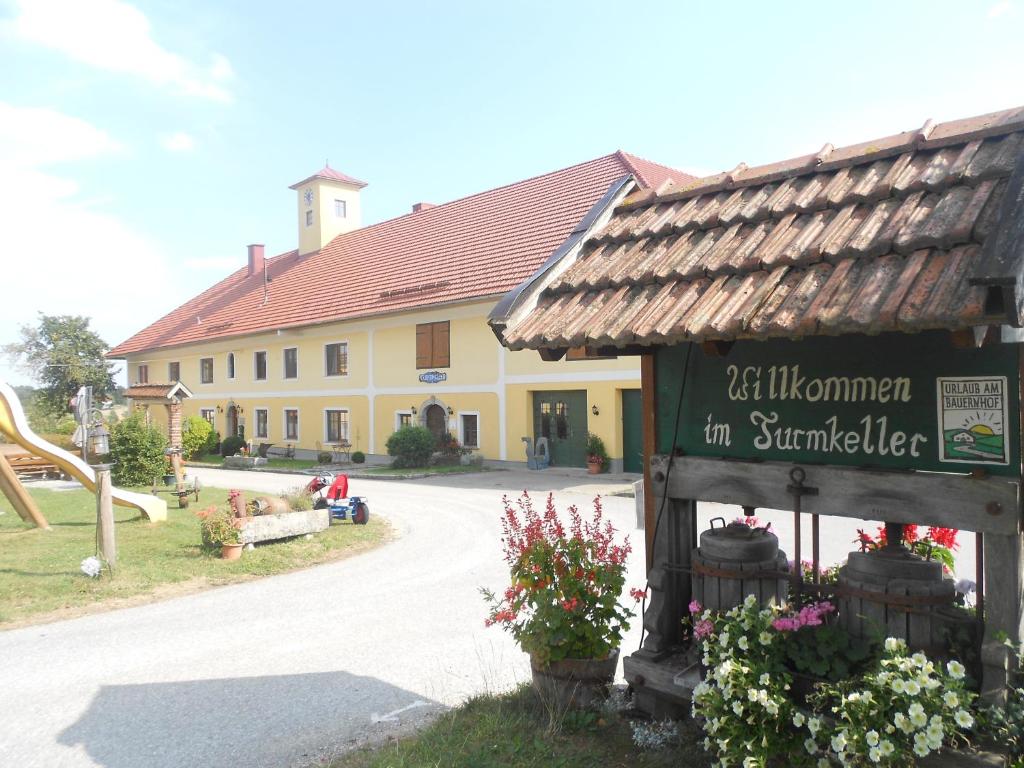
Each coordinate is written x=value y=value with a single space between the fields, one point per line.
x=364 y=329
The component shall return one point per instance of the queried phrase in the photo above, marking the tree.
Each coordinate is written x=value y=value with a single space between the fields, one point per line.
x=62 y=353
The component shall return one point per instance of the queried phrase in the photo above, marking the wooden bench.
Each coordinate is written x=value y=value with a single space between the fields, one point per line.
x=27 y=466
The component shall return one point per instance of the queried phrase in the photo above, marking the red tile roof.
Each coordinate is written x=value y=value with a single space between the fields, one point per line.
x=905 y=233
x=329 y=173
x=477 y=246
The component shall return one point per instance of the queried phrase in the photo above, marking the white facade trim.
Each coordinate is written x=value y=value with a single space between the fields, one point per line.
x=569 y=378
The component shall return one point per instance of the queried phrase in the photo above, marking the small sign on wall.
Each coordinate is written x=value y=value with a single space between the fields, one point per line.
x=972 y=419
x=433 y=377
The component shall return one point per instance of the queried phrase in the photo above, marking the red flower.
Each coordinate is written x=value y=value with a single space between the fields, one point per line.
x=638 y=594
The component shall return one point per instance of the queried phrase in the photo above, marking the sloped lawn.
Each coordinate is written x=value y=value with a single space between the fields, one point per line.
x=40 y=577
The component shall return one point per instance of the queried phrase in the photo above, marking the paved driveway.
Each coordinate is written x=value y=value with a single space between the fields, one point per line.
x=292 y=669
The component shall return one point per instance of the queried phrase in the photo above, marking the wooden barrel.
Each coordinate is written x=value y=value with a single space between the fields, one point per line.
x=892 y=592
x=734 y=561
x=573 y=683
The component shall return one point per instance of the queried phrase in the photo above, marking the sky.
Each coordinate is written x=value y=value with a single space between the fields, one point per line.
x=143 y=145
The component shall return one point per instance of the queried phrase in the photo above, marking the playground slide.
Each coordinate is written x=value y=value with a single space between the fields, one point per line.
x=15 y=426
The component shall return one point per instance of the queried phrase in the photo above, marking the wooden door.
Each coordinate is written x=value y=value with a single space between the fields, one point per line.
x=561 y=417
x=437 y=423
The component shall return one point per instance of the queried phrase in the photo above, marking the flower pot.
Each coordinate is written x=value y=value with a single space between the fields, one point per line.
x=231 y=551
x=594 y=467
x=574 y=683
x=169 y=479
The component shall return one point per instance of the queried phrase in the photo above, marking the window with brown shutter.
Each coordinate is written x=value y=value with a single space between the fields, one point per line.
x=433 y=345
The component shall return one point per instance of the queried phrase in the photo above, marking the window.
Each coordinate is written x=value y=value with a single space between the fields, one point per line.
x=291 y=423
x=259 y=365
x=469 y=434
x=586 y=353
x=262 y=420
x=206 y=370
x=291 y=363
x=403 y=419
x=432 y=342
x=208 y=414
x=309 y=218
x=174 y=372
x=336 y=428
x=142 y=376
x=340 y=209
x=336 y=359
x=231 y=365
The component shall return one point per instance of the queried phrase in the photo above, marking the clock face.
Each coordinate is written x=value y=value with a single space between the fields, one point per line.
x=308 y=196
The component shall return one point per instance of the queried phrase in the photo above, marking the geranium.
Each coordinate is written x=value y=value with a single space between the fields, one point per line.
x=566 y=582
x=937 y=544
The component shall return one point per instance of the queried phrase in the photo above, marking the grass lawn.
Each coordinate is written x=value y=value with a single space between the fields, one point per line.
x=39 y=570
x=512 y=731
x=215 y=459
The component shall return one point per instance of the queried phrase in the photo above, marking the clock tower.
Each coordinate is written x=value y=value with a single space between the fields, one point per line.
x=328 y=205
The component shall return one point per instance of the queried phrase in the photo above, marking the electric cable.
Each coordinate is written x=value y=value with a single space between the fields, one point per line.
x=664 y=498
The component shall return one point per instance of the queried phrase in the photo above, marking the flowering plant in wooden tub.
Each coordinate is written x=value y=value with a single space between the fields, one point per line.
x=563 y=602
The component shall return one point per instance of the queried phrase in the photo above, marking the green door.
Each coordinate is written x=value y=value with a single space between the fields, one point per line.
x=632 y=432
x=561 y=417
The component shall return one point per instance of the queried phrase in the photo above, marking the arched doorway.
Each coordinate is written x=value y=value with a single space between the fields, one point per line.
x=231 y=426
x=436 y=421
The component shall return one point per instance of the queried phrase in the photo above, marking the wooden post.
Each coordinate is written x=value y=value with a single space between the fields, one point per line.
x=105 y=514
x=650 y=441
x=23 y=504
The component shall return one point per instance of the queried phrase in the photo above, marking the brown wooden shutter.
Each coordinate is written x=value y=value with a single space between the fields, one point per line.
x=423 y=345
x=442 y=336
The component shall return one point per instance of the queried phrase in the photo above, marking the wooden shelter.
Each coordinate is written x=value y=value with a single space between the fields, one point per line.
x=855 y=312
x=168 y=395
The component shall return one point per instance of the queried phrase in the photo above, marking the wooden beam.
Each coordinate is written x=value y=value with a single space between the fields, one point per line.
x=986 y=504
x=650 y=442
x=23 y=504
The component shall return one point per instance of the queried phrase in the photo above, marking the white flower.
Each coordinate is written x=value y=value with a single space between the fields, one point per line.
x=921 y=749
x=963 y=718
x=752 y=694
x=886 y=747
x=92 y=567
x=799 y=719
x=935 y=722
x=765 y=638
x=813 y=725
x=893 y=644
x=737 y=707
x=874 y=754
x=912 y=687
x=917 y=716
x=750 y=601
x=742 y=643
x=955 y=669
x=898 y=686
x=749 y=762
x=772 y=708
x=811 y=746
x=823 y=762
x=839 y=742
x=902 y=723
x=919 y=659
x=871 y=737
x=765 y=678
x=724 y=639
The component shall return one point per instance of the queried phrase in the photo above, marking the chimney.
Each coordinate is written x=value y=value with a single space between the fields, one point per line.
x=256 y=265
x=417 y=207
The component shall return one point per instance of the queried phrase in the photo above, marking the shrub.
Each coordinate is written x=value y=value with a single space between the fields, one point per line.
x=411 y=447
x=298 y=499
x=324 y=457
x=137 y=451
x=229 y=446
x=358 y=457
x=450 y=453
x=218 y=527
x=212 y=442
x=596 y=450
x=195 y=435
x=563 y=600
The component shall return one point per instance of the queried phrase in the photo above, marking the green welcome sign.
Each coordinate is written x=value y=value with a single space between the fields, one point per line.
x=899 y=401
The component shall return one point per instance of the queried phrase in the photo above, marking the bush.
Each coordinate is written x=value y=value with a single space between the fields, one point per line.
x=229 y=446
x=298 y=499
x=358 y=457
x=137 y=451
x=212 y=443
x=596 y=450
x=411 y=447
x=324 y=457
x=195 y=435
x=218 y=526
x=450 y=453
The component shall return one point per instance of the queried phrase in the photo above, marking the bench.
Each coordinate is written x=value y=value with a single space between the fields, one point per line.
x=27 y=466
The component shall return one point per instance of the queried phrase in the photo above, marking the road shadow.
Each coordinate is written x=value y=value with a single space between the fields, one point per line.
x=276 y=721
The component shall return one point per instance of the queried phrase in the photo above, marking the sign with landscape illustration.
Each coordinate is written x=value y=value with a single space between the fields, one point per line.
x=895 y=401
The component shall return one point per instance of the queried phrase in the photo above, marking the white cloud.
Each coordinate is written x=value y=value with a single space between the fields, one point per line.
x=1000 y=9
x=116 y=37
x=178 y=142
x=60 y=254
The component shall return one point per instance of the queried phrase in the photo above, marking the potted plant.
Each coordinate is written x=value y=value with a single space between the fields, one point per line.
x=220 y=528
x=597 y=455
x=562 y=605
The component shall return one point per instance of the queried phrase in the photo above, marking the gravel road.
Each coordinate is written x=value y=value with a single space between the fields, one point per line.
x=290 y=670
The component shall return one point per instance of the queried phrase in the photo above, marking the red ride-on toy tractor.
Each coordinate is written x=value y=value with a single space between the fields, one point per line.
x=331 y=491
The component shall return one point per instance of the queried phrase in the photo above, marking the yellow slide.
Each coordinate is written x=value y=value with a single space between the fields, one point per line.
x=15 y=426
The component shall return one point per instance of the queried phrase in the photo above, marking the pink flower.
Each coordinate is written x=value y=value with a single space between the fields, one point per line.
x=695 y=607
x=703 y=628
x=637 y=594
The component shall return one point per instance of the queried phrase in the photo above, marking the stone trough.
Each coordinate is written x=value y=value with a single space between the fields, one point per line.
x=284 y=525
